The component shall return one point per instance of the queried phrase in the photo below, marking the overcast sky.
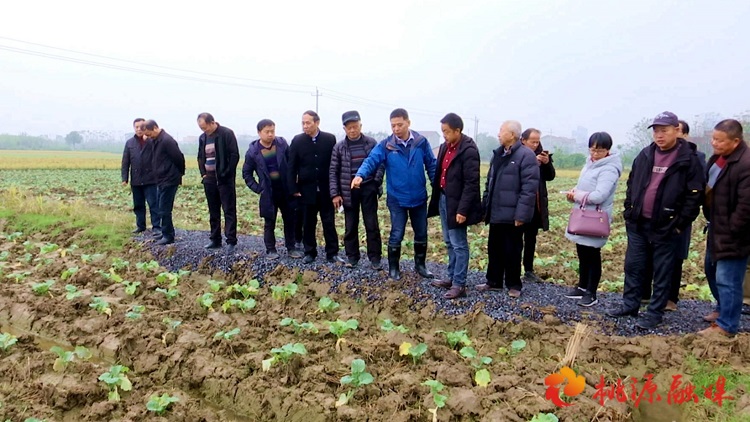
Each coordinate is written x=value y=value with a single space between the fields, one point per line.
x=553 y=65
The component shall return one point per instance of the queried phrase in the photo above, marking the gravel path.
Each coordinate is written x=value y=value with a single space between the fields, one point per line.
x=537 y=300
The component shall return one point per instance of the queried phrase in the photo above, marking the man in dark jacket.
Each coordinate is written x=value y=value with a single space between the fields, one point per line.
x=531 y=138
x=455 y=198
x=169 y=167
x=727 y=208
x=218 y=156
x=407 y=156
x=509 y=201
x=308 y=180
x=663 y=197
x=137 y=161
x=267 y=157
x=348 y=155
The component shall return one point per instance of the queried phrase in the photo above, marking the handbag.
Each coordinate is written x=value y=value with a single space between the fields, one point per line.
x=585 y=222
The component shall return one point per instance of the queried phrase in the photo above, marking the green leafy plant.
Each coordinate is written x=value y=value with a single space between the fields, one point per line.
x=87 y=259
x=71 y=292
x=251 y=288
x=516 y=346
x=7 y=340
x=119 y=264
x=65 y=251
x=356 y=379
x=206 y=300
x=160 y=404
x=4 y=255
x=387 y=325
x=456 y=338
x=131 y=287
x=439 y=399
x=283 y=354
x=101 y=306
x=28 y=246
x=68 y=273
x=214 y=285
x=26 y=257
x=147 y=266
x=136 y=312
x=110 y=275
x=227 y=335
x=48 y=247
x=284 y=293
x=170 y=293
x=482 y=376
x=171 y=279
x=31 y=420
x=41 y=289
x=64 y=357
x=326 y=304
x=116 y=379
x=298 y=327
x=243 y=305
x=14 y=236
x=43 y=262
x=416 y=352
x=171 y=324
x=339 y=327
x=18 y=276
x=544 y=417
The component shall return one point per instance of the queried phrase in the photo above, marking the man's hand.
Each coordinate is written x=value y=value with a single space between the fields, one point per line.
x=124 y=183
x=338 y=201
x=519 y=223
x=297 y=194
x=543 y=158
x=356 y=182
x=460 y=219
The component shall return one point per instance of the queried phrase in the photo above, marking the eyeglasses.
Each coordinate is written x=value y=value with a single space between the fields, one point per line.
x=598 y=150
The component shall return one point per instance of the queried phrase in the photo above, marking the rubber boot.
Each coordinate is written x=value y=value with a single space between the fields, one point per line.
x=394 y=257
x=420 y=256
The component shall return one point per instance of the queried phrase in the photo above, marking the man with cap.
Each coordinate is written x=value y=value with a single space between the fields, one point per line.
x=347 y=156
x=663 y=198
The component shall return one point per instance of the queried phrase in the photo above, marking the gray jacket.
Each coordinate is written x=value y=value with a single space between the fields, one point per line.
x=599 y=180
x=512 y=183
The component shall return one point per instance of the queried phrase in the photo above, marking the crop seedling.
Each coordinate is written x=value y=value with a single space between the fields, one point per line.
x=160 y=404
x=227 y=335
x=70 y=272
x=4 y=256
x=87 y=259
x=456 y=338
x=387 y=325
x=14 y=236
x=356 y=379
x=28 y=246
x=119 y=264
x=170 y=293
x=6 y=341
x=147 y=266
x=416 y=352
x=26 y=257
x=283 y=354
x=101 y=306
x=206 y=300
x=41 y=289
x=251 y=288
x=544 y=417
x=65 y=357
x=18 y=277
x=298 y=327
x=131 y=287
x=48 y=247
x=283 y=293
x=439 y=399
x=136 y=312
x=482 y=376
x=171 y=324
x=171 y=278
x=116 y=379
x=326 y=304
x=43 y=262
x=71 y=292
x=110 y=275
x=68 y=250
x=31 y=420
x=215 y=285
x=516 y=346
x=242 y=305
x=339 y=328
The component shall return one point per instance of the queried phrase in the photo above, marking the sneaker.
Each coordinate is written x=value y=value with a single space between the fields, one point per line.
x=515 y=294
x=647 y=323
x=138 y=230
x=670 y=306
x=530 y=277
x=455 y=292
x=212 y=245
x=156 y=234
x=335 y=259
x=712 y=317
x=588 y=300
x=296 y=254
x=622 y=311
x=308 y=259
x=272 y=255
x=714 y=331
x=165 y=241
x=486 y=287
x=351 y=263
x=575 y=293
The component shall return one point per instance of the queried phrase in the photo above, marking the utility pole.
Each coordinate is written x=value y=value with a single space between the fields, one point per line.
x=476 y=127
x=316 y=95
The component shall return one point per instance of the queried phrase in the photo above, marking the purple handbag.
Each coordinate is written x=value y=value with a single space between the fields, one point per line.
x=593 y=223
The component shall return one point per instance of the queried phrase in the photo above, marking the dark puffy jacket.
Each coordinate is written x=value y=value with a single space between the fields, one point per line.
x=138 y=163
x=255 y=163
x=340 y=178
x=227 y=155
x=678 y=197
x=546 y=174
x=727 y=207
x=169 y=162
x=512 y=182
x=462 y=185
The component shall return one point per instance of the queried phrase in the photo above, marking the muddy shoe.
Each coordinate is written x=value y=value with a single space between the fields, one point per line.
x=455 y=292
x=442 y=284
x=486 y=287
x=712 y=317
x=670 y=306
x=530 y=277
x=515 y=294
x=272 y=255
x=296 y=254
x=715 y=331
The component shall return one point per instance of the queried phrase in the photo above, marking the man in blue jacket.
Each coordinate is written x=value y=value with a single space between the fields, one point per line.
x=408 y=162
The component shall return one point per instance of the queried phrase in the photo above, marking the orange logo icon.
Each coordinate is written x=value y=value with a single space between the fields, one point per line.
x=574 y=385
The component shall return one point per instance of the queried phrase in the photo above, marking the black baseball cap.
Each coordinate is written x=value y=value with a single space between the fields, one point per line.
x=665 y=118
x=350 y=116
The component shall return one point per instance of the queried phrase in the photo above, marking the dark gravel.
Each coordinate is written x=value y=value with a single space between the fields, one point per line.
x=537 y=300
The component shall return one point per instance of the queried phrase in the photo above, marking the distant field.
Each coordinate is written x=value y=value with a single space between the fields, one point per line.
x=26 y=159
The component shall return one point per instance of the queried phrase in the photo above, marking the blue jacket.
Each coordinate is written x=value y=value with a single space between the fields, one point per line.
x=406 y=180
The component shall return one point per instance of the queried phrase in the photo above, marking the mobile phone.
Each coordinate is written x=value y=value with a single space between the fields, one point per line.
x=545 y=152
x=564 y=192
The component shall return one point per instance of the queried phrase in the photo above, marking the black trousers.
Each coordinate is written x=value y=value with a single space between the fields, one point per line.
x=530 y=232
x=299 y=220
x=221 y=197
x=589 y=268
x=365 y=199
x=269 y=226
x=504 y=248
x=674 y=285
x=324 y=207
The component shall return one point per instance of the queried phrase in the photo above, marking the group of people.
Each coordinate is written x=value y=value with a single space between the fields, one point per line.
x=312 y=176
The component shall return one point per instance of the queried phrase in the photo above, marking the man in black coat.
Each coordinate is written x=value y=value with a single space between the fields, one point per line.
x=455 y=198
x=218 y=156
x=348 y=155
x=136 y=162
x=308 y=179
x=663 y=198
x=169 y=167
